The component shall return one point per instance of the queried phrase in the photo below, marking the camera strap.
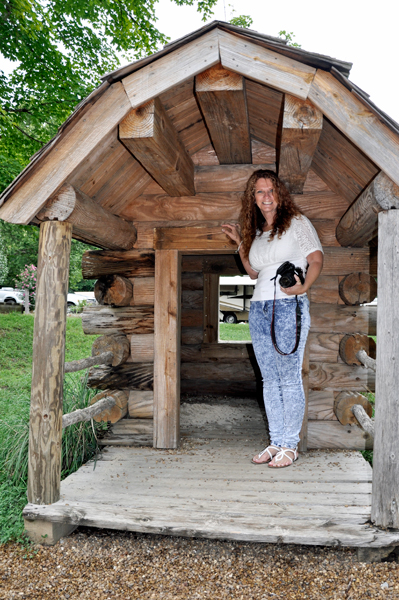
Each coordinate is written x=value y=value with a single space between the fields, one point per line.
x=297 y=323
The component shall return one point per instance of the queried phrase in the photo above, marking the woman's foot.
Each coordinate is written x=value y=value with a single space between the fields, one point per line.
x=284 y=458
x=266 y=455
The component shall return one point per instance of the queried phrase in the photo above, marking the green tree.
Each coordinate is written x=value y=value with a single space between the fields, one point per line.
x=288 y=36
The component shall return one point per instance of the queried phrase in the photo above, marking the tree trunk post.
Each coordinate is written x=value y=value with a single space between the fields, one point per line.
x=385 y=498
x=167 y=312
x=44 y=472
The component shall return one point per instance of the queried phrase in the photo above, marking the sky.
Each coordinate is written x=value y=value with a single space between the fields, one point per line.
x=359 y=31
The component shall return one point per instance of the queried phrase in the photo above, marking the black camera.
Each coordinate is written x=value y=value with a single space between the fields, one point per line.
x=287 y=272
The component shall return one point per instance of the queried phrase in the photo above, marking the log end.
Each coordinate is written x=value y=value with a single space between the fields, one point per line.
x=343 y=406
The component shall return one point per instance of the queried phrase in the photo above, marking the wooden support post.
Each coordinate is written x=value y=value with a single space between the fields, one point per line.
x=359 y=224
x=221 y=96
x=385 y=499
x=44 y=471
x=149 y=134
x=302 y=125
x=167 y=349
x=211 y=308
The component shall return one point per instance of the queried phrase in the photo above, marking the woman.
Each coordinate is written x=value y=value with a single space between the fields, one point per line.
x=272 y=232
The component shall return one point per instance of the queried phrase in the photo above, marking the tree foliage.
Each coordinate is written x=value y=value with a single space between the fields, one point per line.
x=288 y=36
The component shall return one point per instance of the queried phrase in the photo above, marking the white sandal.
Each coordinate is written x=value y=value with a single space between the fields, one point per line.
x=264 y=462
x=283 y=454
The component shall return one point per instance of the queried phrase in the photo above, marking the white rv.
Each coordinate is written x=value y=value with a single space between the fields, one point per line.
x=235 y=295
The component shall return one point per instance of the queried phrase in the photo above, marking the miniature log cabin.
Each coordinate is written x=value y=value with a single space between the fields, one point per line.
x=147 y=168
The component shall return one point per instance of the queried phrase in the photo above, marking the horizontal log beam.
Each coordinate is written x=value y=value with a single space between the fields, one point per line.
x=86 y=414
x=302 y=126
x=90 y=222
x=115 y=412
x=149 y=134
x=117 y=345
x=132 y=263
x=128 y=376
x=221 y=96
x=359 y=225
x=192 y=238
x=127 y=320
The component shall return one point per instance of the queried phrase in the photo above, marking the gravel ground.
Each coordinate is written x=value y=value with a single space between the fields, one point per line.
x=103 y=564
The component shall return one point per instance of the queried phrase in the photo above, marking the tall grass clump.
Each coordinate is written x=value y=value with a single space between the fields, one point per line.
x=79 y=444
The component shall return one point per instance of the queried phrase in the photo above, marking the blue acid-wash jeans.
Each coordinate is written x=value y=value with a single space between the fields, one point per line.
x=283 y=393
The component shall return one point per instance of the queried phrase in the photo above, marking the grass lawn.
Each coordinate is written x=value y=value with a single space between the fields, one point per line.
x=78 y=442
x=236 y=332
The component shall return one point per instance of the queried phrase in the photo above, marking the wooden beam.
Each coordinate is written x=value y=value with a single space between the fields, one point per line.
x=69 y=151
x=385 y=500
x=130 y=263
x=45 y=430
x=192 y=238
x=148 y=133
x=302 y=125
x=221 y=96
x=265 y=66
x=172 y=69
x=167 y=349
x=90 y=221
x=361 y=126
x=211 y=308
x=359 y=225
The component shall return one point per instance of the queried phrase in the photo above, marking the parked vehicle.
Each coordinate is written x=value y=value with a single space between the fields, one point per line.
x=76 y=298
x=10 y=296
x=235 y=295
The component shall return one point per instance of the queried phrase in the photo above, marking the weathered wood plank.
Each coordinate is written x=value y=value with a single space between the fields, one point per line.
x=225 y=178
x=127 y=376
x=192 y=238
x=326 y=290
x=340 y=163
x=361 y=126
x=131 y=263
x=359 y=225
x=172 y=69
x=339 y=376
x=321 y=405
x=143 y=290
x=142 y=347
x=70 y=150
x=45 y=425
x=126 y=319
x=386 y=464
x=265 y=66
x=148 y=133
x=346 y=319
x=167 y=349
x=331 y=434
x=193 y=299
x=221 y=96
x=264 y=111
x=141 y=405
x=302 y=125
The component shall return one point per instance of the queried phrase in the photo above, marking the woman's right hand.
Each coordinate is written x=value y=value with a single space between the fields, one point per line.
x=233 y=231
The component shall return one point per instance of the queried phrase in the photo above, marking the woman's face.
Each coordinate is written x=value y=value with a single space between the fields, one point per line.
x=265 y=198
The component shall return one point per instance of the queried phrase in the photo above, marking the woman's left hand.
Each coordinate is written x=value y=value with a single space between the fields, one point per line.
x=295 y=290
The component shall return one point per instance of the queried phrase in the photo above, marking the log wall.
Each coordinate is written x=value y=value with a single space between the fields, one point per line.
x=209 y=367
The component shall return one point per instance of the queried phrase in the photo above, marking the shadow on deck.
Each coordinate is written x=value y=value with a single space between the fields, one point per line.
x=209 y=488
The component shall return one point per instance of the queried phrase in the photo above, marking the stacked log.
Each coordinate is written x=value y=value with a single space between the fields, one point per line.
x=116 y=412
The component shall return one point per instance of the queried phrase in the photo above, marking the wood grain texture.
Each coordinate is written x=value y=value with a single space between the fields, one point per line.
x=128 y=376
x=331 y=434
x=321 y=405
x=340 y=163
x=337 y=376
x=302 y=125
x=116 y=412
x=45 y=425
x=225 y=178
x=143 y=290
x=359 y=225
x=167 y=349
x=90 y=222
x=109 y=320
x=141 y=404
x=384 y=511
x=192 y=238
x=132 y=263
x=346 y=319
x=221 y=96
x=358 y=288
x=211 y=308
x=265 y=66
x=117 y=343
x=172 y=69
x=361 y=126
x=113 y=289
x=326 y=290
x=265 y=113
x=70 y=150
x=142 y=347
x=343 y=407
x=149 y=134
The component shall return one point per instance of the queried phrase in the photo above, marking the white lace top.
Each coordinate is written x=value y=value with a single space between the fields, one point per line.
x=265 y=257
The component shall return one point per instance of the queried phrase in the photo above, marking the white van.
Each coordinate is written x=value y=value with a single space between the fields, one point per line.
x=235 y=295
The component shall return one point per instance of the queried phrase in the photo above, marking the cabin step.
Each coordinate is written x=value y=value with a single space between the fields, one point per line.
x=129 y=432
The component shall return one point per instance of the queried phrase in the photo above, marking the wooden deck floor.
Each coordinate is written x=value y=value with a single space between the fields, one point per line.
x=209 y=488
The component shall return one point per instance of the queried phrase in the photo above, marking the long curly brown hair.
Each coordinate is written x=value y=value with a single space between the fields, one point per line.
x=251 y=218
